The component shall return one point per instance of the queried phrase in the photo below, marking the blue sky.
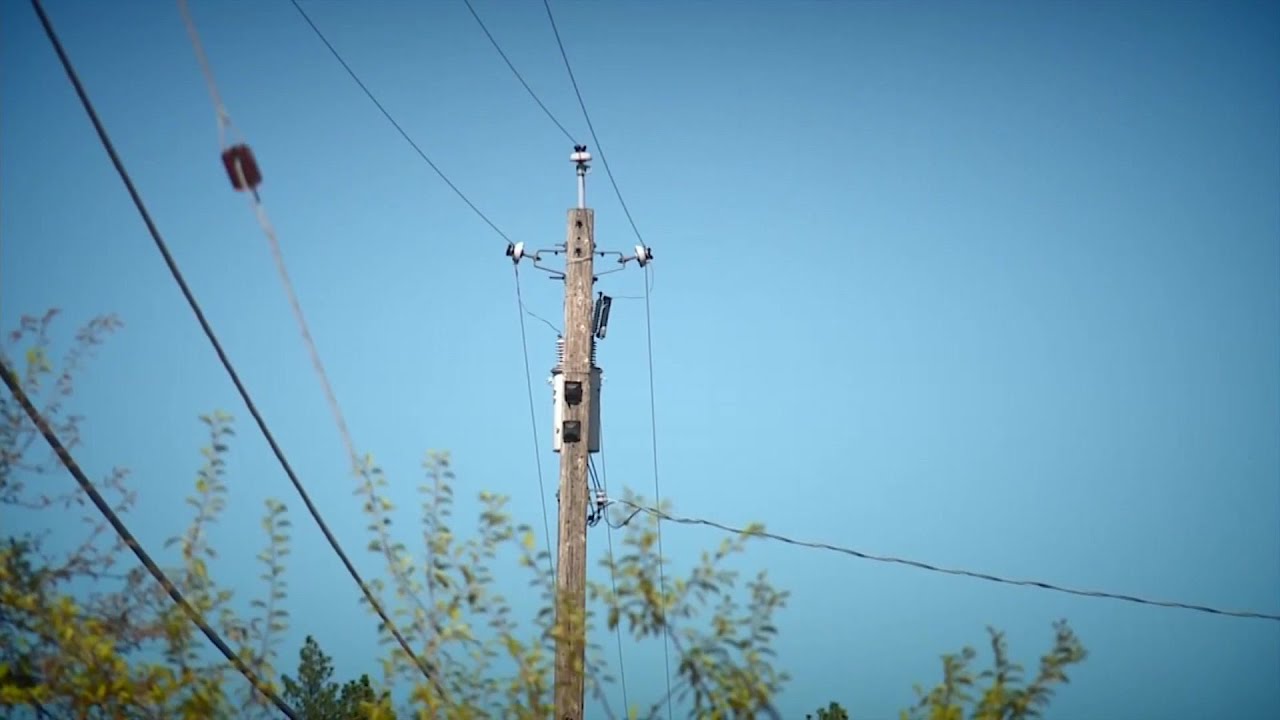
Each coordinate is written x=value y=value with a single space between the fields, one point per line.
x=990 y=285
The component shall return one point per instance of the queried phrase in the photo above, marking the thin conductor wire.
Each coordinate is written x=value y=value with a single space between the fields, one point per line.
x=225 y=125
x=590 y=126
x=533 y=423
x=264 y=222
x=493 y=41
x=172 y=265
x=422 y=154
x=613 y=577
x=385 y=113
x=1038 y=584
x=653 y=428
x=15 y=387
x=317 y=364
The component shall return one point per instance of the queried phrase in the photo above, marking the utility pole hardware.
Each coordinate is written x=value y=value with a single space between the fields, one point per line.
x=576 y=382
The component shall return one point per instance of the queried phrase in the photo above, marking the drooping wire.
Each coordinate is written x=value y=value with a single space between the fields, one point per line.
x=493 y=41
x=15 y=387
x=422 y=154
x=385 y=113
x=533 y=423
x=227 y=127
x=178 y=278
x=613 y=577
x=1038 y=584
x=662 y=579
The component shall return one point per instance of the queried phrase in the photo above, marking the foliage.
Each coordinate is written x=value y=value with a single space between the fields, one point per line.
x=1007 y=695
x=998 y=693
x=831 y=712
x=80 y=637
x=316 y=697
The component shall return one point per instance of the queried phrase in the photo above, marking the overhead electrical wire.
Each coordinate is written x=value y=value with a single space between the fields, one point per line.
x=385 y=113
x=533 y=423
x=657 y=489
x=407 y=138
x=42 y=425
x=613 y=578
x=493 y=41
x=590 y=126
x=930 y=567
x=225 y=128
x=172 y=265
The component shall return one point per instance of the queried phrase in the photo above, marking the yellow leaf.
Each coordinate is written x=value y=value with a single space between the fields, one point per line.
x=36 y=359
x=528 y=540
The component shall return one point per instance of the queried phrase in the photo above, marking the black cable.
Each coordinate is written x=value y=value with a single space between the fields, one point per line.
x=590 y=127
x=395 y=124
x=163 y=247
x=533 y=422
x=15 y=387
x=948 y=571
x=516 y=72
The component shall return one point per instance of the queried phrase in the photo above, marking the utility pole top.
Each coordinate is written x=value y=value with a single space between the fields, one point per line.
x=582 y=159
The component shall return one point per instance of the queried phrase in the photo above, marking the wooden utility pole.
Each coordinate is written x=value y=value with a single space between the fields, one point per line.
x=576 y=435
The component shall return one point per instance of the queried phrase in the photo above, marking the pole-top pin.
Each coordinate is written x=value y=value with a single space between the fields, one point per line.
x=581 y=158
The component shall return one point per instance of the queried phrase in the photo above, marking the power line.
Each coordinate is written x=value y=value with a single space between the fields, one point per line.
x=533 y=422
x=519 y=77
x=590 y=127
x=172 y=265
x=662 y=579
x=15 y=387
x=225 y=125
x=385 y=113
x=1041 y=585
x=613 y=578
x=653 y=429
x=242 y=181
x=400 y=129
